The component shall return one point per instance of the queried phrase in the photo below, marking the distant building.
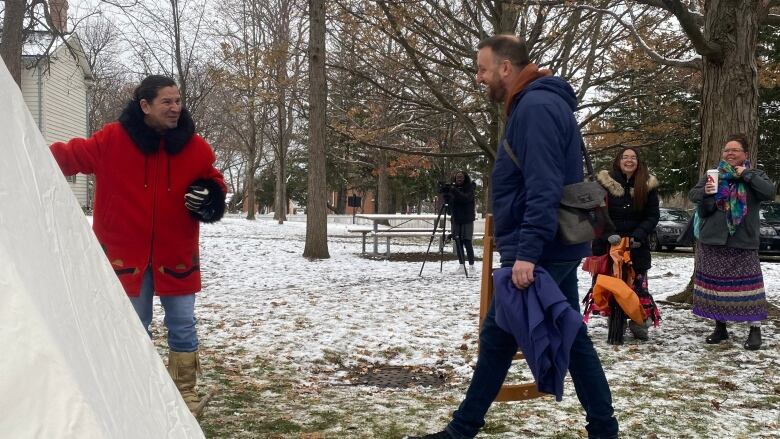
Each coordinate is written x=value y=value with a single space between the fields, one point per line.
x=56 y=82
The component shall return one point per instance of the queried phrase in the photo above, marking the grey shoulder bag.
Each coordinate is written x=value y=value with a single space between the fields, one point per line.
x=582 y=212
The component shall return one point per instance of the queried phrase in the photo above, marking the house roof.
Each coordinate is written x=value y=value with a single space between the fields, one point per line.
x=40 y=44
x=44 y=44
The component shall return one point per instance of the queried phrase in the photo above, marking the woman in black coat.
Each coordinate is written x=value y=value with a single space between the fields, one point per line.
x=632 y=200
x=462 y=196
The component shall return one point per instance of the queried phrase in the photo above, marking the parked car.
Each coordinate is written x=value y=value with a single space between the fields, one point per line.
x=769 y=214
x=671 y=225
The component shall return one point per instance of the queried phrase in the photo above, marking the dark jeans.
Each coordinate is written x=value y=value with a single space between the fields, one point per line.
x=496 y=350
x=463 y=233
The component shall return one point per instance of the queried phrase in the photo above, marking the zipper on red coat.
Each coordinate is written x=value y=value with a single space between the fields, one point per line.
x=154 y=205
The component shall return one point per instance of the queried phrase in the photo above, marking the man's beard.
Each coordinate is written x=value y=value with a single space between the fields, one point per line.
x=496 y=93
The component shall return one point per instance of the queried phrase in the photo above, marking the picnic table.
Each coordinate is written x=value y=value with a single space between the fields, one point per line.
x=399 y=226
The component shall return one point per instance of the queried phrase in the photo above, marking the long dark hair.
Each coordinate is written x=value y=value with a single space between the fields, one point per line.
x=641 y=177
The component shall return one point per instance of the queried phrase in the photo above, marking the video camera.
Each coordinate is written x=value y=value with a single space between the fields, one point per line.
x=445 y=188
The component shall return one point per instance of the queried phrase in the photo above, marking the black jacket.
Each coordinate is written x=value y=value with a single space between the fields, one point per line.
x=462 y=197
x=628 y=221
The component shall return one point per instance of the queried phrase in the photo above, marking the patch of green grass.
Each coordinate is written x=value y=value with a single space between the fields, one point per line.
x=331 y=356
x=495 y=428
x=323 y=420
x=388 y=431
x=395 y=352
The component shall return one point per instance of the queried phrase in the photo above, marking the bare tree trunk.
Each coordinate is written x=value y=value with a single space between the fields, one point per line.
x=341 y=200
x=11 y=42
x=316 y=213
x=730 y=97
x=177 y=51
x=250 y=186
x=382 y=185
x=285 y=96
x=280 y=190
x=284 y=128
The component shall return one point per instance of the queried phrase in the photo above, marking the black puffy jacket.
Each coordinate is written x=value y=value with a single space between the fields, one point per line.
x=628 y=221
x=463 y=201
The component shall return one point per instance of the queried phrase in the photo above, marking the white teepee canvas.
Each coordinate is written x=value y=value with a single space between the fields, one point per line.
x=74 y=359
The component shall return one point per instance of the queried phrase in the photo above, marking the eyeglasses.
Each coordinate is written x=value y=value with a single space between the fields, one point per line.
x=628 y=158
x=735 y=150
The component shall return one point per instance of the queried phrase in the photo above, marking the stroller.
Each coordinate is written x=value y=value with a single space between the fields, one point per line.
x=617 y=292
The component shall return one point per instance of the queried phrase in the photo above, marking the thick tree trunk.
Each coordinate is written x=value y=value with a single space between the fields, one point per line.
x=316 y=213
x=729 y=85
x=729 y=101
x=11 y=40
x=684 y=296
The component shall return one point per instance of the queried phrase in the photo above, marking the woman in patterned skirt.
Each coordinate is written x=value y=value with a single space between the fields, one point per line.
x=728 y=284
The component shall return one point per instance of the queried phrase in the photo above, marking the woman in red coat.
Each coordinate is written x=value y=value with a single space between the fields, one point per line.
x=154 y=181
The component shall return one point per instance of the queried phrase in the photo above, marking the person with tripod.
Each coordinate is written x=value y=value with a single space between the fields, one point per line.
x=461 y=199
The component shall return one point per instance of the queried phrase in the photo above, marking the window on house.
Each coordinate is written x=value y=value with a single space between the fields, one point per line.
x=71 y=179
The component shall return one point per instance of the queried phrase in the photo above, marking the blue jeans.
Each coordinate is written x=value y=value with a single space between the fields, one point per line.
x=496 y=349
x=179 y=315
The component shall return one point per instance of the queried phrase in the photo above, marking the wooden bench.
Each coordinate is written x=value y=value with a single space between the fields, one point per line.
x=365 y=230
x=387 y=232
x=402 y=232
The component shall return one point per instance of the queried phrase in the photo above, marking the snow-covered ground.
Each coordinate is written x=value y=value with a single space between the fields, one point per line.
x=282 y=338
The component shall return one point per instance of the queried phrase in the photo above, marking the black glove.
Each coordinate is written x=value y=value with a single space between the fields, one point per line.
x=196 y=197
x=635 y=243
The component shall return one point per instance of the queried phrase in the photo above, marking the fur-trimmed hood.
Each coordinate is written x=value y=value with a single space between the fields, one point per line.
x=610 y=182
x=146 y=139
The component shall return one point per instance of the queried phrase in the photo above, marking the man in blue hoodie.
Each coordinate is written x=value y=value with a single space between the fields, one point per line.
x=538 y=154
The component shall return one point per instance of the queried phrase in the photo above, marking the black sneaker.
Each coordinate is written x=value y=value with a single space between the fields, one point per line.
x=439 y=435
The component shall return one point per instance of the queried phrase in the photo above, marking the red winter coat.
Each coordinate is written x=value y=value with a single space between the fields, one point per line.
x=139 y=213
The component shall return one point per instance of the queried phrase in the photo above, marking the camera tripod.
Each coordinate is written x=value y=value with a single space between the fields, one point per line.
x=459 y=249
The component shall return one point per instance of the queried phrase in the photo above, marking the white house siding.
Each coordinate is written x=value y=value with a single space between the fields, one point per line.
x=30 y=93
x=64 y=112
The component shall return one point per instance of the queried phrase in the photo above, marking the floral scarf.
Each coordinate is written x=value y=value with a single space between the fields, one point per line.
x=731 y=197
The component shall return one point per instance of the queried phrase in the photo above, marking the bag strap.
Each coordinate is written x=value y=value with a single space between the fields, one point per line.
x=510 y=153
x=585 y=156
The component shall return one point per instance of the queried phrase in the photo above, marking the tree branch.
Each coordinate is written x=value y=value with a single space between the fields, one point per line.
x=406 y=151
x=691 y=63
x=688 y=23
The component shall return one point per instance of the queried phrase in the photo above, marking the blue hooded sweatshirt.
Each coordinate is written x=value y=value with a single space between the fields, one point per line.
x=543 y=134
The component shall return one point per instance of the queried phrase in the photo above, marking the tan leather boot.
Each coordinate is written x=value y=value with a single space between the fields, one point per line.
x=183 y=368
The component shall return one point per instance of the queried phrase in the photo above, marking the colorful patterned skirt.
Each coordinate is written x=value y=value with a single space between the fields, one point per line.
x=728 y=284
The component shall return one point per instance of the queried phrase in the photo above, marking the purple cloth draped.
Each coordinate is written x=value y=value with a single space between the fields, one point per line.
x=543 y=324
